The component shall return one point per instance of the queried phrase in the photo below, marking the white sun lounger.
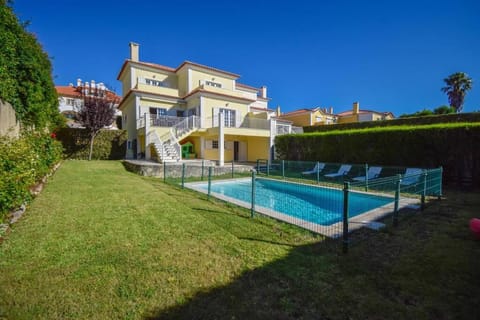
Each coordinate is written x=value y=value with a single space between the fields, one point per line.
x=372 y=173
x=319 y=166
x=344 y=169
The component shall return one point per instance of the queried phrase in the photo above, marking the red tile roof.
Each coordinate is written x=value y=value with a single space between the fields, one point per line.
x=169 y=69
x=208 y=68
x=246 y=86
x=363 y=111
x=262 y=109
x=299 y=111
x=74 y=92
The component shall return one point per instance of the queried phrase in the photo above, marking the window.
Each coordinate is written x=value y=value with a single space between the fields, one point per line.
x=214 y=144
x=155 y=83
x=158 y=112
x=229 y=117
x=213 y=84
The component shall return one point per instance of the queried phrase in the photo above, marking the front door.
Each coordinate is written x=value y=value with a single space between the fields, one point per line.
x=235 y=150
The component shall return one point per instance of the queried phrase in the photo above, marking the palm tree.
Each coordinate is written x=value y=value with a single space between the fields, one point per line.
x=457 y=86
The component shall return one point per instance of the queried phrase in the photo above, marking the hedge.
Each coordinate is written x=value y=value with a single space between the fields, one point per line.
x=23 y=163
x=108 y=144
x=415 y=121
x=455 y=146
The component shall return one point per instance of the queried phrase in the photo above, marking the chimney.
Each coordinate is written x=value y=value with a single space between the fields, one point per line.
x=278 y=111
x=263 y=92
x=134 y=51
x=356 y=107
x=79 y=82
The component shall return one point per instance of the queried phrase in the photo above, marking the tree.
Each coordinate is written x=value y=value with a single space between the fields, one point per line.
x=456 y=88
x=424 y=112
x=26 y=73
x=444 y=110
x=96 y=113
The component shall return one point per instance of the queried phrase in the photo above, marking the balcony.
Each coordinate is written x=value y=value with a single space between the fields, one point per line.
x=212 y=122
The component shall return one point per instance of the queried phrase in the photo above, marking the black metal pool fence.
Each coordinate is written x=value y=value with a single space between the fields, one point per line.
x=405 y=187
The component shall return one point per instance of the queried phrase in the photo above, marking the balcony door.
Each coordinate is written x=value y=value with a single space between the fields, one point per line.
x=229 y=117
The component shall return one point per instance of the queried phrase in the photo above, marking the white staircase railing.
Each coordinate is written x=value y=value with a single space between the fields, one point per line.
x=157 y=142
x=170 y=140
x=185 y=126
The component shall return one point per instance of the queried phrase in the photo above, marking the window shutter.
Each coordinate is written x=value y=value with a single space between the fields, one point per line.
x=215 y=117
x=238 y=118
x=208 y=144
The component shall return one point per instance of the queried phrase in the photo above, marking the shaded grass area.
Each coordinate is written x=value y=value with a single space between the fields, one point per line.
x=100 y=243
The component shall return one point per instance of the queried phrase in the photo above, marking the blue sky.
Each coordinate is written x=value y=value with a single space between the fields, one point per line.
x=388 y=55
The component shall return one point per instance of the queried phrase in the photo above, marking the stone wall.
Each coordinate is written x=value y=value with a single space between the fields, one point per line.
x=8 y=120
x=174 y=170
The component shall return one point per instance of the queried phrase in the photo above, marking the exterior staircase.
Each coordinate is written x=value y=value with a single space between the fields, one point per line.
x=167 y=146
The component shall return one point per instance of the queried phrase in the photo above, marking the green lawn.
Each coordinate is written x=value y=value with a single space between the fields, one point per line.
x=103 y=243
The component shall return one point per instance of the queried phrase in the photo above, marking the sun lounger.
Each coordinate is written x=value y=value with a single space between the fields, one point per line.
x=372 y=173
x=344 y=170
x=318 y=167
x=411 y=176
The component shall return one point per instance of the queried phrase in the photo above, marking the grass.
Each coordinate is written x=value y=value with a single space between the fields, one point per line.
x=102 y=243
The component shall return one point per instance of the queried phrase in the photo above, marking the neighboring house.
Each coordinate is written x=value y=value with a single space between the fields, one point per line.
x=70 y=98
x=164 y=108
x=310 y=117
x=357 y=115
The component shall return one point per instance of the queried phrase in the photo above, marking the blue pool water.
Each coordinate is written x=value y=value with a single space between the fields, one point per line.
x=311 y=203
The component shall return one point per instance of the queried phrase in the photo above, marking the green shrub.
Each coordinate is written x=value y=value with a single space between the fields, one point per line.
x=108 y=144
x=414 y=121
x=454 y=146
x=23 y=162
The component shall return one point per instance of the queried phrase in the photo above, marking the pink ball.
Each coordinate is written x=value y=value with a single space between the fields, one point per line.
x=475 y=227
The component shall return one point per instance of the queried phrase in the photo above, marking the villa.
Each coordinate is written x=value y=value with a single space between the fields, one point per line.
x=357 y=115
x=70 y=98
x=310 y=117
x=198 y=106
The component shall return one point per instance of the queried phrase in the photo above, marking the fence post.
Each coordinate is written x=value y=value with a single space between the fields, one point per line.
x=203 y=166
x=209 y=181
x=366 y=177
x=346 y=187
x=232 y=169
x=397 y=199
x=440 y=179
x=252 y=210
x=183 y=175
x=318 y=172
x=424 y=190
x=164 y=172
x=283 y=169
x=268 y=167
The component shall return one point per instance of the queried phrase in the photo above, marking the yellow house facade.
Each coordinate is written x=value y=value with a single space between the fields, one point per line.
x=357 y=115
x=310 y=117
x=164 y=108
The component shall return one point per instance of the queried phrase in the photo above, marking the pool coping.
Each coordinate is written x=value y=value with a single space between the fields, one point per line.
x=334 y=230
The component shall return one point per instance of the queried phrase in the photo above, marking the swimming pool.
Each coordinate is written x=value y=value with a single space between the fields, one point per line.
x=319 y=205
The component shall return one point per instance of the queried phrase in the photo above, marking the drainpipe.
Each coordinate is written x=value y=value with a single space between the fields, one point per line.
x=221 y=139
